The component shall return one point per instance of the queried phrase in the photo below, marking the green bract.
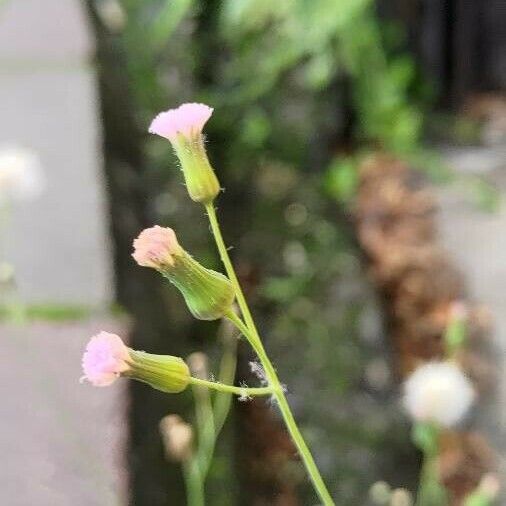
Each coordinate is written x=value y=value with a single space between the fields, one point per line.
x=201 y=181
x=208 y=294
x=163 y=372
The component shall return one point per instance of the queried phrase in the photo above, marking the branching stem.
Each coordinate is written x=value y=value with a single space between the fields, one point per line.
x=248 y=328
x=240 y=391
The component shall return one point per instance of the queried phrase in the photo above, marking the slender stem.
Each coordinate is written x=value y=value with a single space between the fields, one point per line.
x=211 y=418
x=430 y=490
x=193 y=483
x=226 y=376
x=241 y=391
x=225 y=258
x=205 y=426
x=250 y=332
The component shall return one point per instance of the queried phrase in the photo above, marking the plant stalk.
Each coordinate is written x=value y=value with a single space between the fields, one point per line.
x=194 y=483
x=250 y=332
x=230 y=389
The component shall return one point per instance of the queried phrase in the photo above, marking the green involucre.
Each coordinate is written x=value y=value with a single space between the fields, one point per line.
x=201 y=181
x=208 y=294
x=162 y=372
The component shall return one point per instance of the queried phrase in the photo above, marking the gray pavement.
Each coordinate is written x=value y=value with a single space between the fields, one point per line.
x=58 y=242
x=62 y=442
x=477 y=242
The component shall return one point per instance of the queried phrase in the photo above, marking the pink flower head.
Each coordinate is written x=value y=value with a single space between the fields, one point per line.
x=459 y=310
x=105 y=358
x=155 y=246
x=187 y=120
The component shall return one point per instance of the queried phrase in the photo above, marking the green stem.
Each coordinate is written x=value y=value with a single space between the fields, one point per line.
x=430 y=490
x=250 y=332
x=228 y=367
x=205 y=427
x=211 y=419
x=241 y=391
x=225 y=258
x=193 y=483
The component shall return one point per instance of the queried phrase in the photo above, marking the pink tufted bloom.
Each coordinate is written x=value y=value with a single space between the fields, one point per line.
x=105 y=358
x=187 y=120
x=155 y=246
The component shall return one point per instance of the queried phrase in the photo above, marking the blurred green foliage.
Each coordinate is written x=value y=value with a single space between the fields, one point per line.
x=297 y=85
x=342 y=179
x=21 y=313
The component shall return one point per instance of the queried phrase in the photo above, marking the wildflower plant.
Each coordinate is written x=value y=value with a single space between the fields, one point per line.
x=209 y=295
x=437 y=395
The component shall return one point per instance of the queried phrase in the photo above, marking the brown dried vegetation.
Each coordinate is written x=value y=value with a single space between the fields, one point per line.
x=396 y=228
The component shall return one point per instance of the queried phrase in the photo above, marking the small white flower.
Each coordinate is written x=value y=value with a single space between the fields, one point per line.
x=438 y=392
x=112 y=15
x=21 y=176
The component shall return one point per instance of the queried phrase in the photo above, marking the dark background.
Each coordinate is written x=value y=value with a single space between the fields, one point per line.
x=301 y=90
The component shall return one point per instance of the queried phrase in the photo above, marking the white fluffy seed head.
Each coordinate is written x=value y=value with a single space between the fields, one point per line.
x=438 y=392
x=21 y=176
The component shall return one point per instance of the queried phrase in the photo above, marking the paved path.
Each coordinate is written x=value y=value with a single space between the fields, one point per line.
x=61 y=442
x=58 y=242
x=477 y=242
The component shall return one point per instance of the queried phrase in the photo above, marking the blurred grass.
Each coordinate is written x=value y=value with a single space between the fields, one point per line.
x=19 y=313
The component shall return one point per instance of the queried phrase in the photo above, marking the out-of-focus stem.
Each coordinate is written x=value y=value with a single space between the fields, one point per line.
x=226 y=376
x=194 y=483
x=205 y=427
x=430 y=490
x=211 y=416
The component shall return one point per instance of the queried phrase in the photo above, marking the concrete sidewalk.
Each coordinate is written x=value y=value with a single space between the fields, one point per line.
x=61 y=441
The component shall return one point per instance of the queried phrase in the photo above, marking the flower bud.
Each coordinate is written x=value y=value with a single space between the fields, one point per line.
x=183 y=128
x=107 y=358
x=156 y=247
x=401 y=497
x=208 y=294
x=177 y=437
